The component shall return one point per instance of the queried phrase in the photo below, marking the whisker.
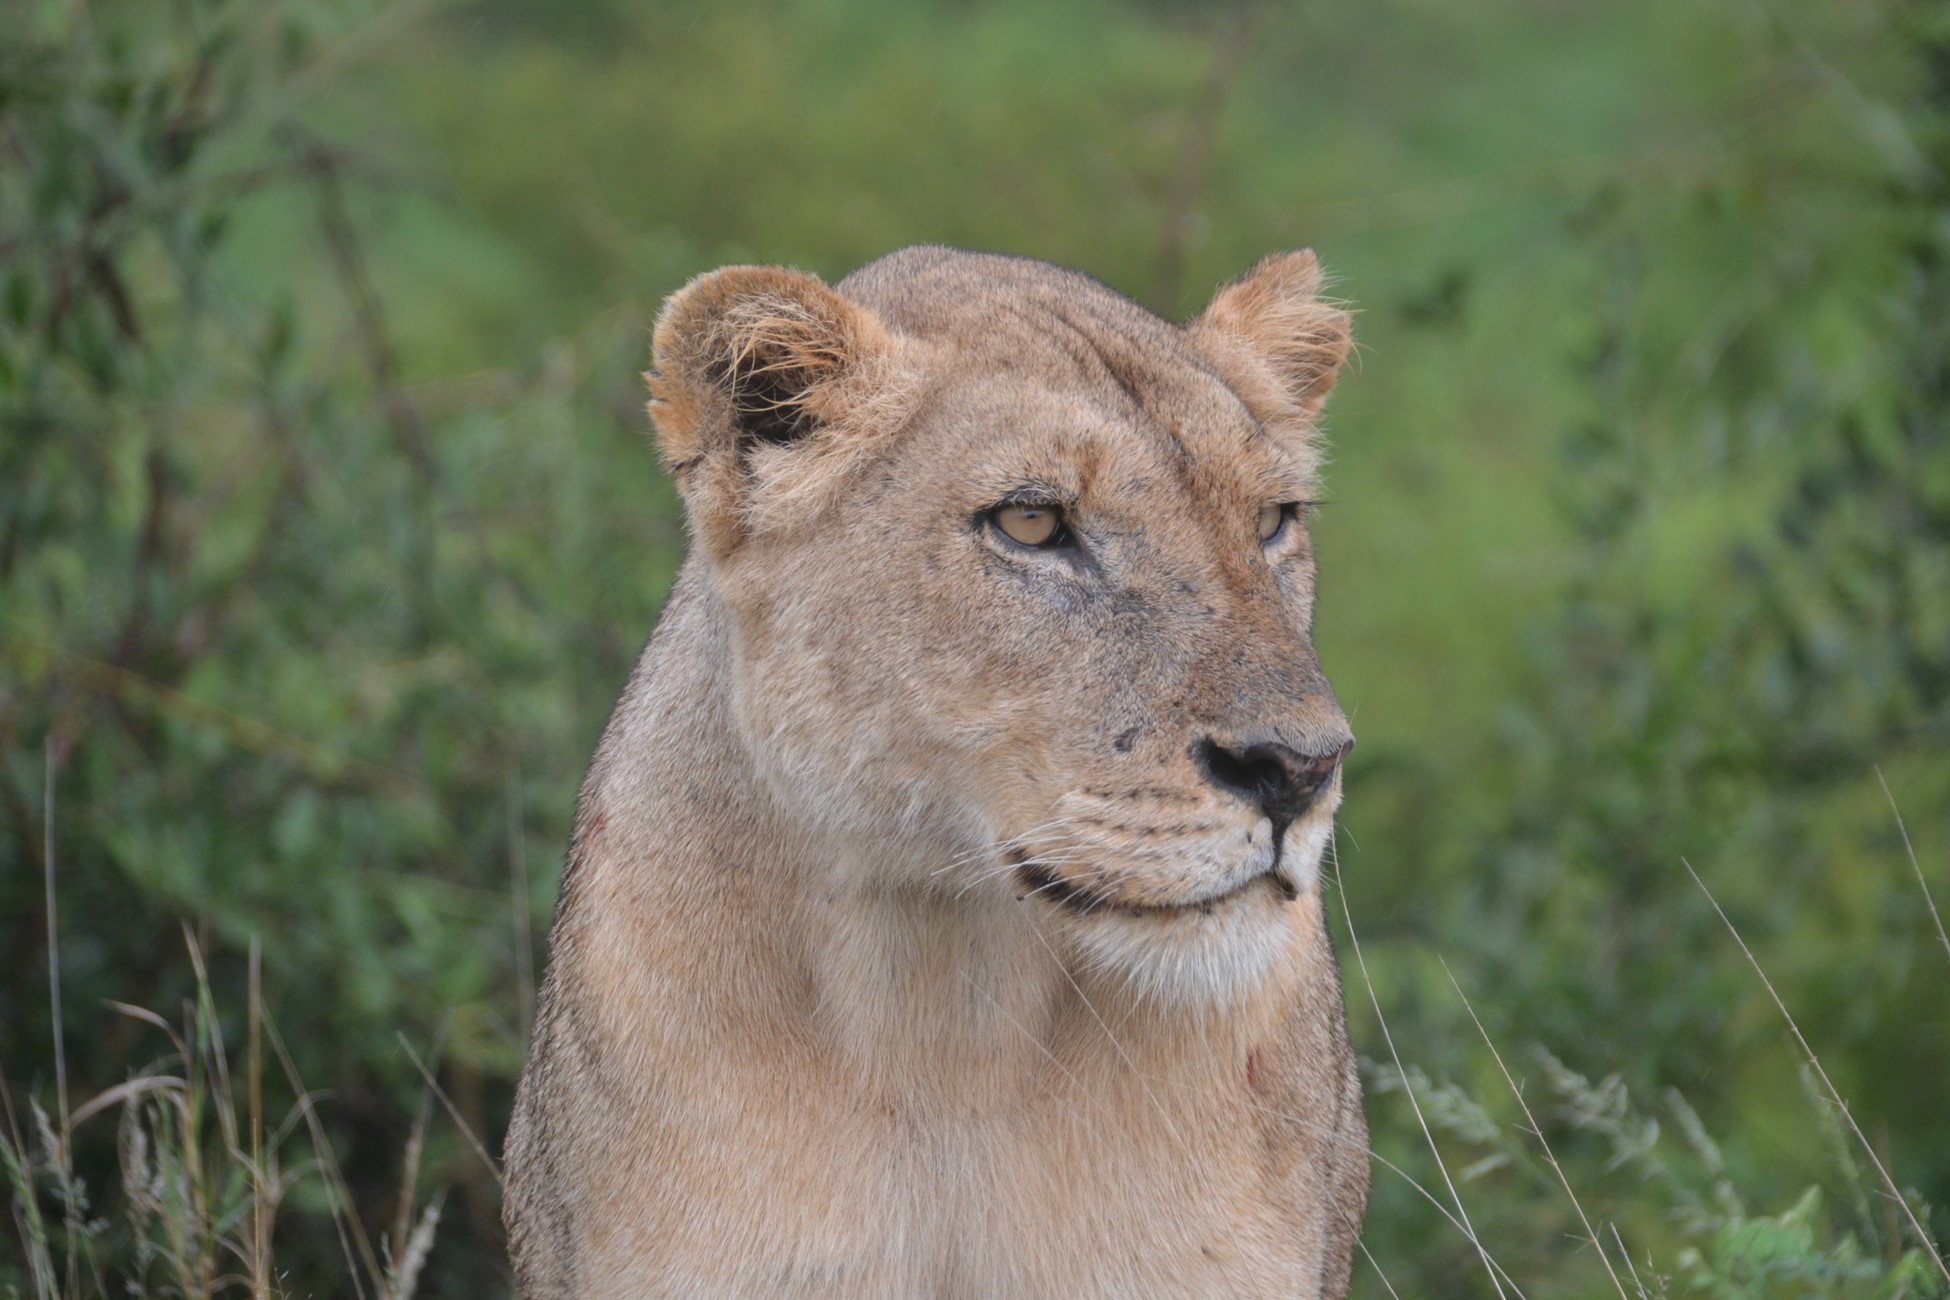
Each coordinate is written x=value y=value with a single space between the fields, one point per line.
x=1003 y=845
x=1040 y=1046
x=1044 y=861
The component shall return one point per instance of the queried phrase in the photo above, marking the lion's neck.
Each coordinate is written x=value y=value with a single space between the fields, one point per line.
x=715 y=922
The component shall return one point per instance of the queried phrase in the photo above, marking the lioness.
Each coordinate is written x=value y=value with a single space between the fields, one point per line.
x=943 y=914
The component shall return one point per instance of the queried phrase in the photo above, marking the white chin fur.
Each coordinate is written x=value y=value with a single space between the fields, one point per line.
x=1193 y=959
x=1188 y=958
x=1300 y=856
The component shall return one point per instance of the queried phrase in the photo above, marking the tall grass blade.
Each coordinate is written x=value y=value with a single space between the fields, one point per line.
x=1455 y=1197
x=63 y=1165
x=1922 y=882
x=480 y=1149
x=1537 y=1131
x=1834 y=1094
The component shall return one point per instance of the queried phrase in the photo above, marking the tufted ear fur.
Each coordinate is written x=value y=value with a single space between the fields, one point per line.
x=768 y=386
x=1275 y=341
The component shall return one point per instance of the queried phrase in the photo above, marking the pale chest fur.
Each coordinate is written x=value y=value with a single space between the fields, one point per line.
x=1085 y=1158
x=1043 y=1207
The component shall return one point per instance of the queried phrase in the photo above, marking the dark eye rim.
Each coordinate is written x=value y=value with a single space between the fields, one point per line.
x=1056 y=541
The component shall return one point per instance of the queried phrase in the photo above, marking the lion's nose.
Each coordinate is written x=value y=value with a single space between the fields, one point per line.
x=1279 y=780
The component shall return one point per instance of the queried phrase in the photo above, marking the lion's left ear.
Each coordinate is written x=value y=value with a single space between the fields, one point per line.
x=1278 y=345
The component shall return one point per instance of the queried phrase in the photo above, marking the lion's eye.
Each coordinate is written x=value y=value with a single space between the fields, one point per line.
x=1271 y=520
x=1029 y=523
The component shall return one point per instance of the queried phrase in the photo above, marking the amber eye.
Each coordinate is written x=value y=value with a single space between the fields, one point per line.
x=1029 y=523
x=1271 y=520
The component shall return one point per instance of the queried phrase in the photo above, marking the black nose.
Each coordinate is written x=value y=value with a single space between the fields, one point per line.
x=1279 y=780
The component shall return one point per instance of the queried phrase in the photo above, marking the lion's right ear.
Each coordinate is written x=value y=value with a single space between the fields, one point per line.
x=768 y=386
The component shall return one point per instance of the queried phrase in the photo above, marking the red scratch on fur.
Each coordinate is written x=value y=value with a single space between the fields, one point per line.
x=1252 y=1071
x=596 y=823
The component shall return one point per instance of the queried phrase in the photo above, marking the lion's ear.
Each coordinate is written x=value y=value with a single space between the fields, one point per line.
x=767 y=383
x=1275 y=341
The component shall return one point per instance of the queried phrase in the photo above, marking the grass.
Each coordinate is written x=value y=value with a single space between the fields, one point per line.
x=201 y=1172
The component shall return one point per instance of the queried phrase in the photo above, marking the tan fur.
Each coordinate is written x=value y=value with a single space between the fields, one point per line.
x=811 y=1026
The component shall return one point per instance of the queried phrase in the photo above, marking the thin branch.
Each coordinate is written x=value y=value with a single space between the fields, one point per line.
x=368 y=313
x=345 y=1219
x=1195 y=161
x=327 y=768
x=1378 y=1271
x=265 y=1188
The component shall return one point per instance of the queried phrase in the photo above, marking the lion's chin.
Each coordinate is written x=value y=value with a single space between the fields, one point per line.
x=1206 y=949
x=1207 y=955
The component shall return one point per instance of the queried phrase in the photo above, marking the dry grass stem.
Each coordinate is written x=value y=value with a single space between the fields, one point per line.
x=1922 y=882
x=1537 y=1131
x=264 y=1181
x=1462 y=1214
x=518 y=888
x=63 y=1157
x=1834 y=1094
x=1376 y=1265
x=403 y=1272
x=466 y=1131
x=1637 y=1284
x=351 y=1233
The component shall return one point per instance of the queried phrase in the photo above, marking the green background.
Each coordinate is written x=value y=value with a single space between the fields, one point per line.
x=329 y=526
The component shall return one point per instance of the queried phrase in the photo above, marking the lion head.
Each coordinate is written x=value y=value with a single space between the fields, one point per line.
x=1020 y=589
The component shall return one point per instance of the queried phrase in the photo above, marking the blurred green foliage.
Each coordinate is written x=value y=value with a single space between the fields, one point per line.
x=328 y=530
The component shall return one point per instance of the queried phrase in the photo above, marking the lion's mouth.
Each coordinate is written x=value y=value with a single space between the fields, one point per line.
x=1087 y=900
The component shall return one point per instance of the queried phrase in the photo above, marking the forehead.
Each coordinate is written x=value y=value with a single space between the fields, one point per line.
x=1092 y=415
x=1049 y=372
x=1013 y=428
